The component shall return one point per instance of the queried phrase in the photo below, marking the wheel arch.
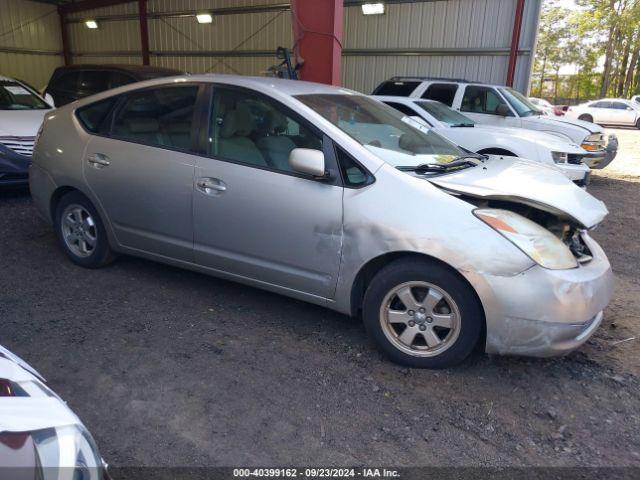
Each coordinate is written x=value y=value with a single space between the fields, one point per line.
x=373 y=266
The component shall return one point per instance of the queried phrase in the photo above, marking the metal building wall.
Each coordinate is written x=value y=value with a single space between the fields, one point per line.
x=30 y=42
x=447 y=38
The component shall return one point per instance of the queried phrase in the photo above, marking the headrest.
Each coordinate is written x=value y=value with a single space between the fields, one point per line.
x=238 y=122
x=277 y=122
x=143 y=125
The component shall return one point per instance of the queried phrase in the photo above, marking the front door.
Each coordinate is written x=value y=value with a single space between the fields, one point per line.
x=142 y=170
x=254 y=217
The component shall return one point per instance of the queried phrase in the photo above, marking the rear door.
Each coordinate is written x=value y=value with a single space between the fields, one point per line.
x=142 y=169
x=481 y=104
x=622 y=114
x=254 y=217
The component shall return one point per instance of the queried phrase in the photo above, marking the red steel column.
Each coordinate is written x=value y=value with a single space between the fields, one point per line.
x=144 y=31
x=515 y=42
x=64 y=33
x=317 y=31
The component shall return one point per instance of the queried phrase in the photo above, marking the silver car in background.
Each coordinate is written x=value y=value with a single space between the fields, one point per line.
x=328 y=196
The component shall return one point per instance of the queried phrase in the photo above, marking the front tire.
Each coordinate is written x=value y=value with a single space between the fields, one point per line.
x=422 y=314
x=80 y=231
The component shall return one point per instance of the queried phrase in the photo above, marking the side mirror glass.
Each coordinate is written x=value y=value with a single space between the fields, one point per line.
x=503 y=110
x=307 y=161
x=49 y=99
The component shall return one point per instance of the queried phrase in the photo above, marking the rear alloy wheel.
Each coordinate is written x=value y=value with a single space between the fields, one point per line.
x=80 y=231
x=421 y=314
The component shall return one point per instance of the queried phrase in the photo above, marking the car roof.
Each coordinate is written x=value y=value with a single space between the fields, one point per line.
x=7 y=79
x=134 y=69
x=263 y=84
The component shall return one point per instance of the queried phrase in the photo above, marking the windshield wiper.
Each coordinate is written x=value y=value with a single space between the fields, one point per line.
x=459 y=163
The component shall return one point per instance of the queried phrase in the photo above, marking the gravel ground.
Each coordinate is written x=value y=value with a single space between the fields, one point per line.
x=172 y=368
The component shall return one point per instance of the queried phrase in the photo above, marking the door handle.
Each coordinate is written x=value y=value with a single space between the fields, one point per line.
x=211 y=186
x=98 y=160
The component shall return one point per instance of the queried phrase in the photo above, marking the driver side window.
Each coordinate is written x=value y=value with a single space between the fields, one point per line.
x=251 y=129
x=481 y=100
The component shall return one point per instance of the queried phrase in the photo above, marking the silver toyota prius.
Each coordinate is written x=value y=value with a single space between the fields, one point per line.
x=328 y=196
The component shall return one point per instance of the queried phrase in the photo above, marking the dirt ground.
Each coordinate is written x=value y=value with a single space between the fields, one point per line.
x=172 y=368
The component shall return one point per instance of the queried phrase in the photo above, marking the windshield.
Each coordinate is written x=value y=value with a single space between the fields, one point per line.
x=520 y=103
x=396 y=139
x=445 y=114
x=14 y=96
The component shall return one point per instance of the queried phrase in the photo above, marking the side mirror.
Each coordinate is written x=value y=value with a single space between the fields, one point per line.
x=49 y=99
x=307 y=161
x=503 y=110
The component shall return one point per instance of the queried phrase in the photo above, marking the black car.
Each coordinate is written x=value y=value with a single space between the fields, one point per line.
x=78 y=81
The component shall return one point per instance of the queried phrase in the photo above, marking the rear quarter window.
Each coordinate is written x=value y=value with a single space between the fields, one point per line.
x=93 y=117
x=396 y=88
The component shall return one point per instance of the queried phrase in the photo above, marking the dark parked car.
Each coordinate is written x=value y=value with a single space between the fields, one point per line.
x=71 y=83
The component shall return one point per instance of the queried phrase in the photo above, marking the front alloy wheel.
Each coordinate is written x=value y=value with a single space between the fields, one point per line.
x=420 y=319
x=421 y=313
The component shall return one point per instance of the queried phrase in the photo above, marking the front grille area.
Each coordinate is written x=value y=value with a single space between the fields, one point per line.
x=20 y=145
x=574 y=158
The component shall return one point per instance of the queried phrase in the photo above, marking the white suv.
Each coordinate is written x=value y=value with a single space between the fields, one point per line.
x=506 y=107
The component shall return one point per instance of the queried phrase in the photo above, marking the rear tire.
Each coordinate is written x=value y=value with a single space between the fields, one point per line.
x=586 y=118
x=422 y=314
x=638 y=124
x=80 y=231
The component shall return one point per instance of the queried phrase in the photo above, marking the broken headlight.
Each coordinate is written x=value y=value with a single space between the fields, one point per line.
x=536 y=242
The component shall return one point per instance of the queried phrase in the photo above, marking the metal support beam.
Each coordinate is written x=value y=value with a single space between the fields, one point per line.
x=83 y=5
x=317 y=30
x=64 y=33
x=144 y=31
x=515 y=42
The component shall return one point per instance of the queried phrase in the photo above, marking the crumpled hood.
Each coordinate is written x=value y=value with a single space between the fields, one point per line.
x=21 y=123
x=552 y=142
x=529 y=183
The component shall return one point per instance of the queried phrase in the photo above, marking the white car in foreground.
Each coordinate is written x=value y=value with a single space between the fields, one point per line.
x=492 y=140
x=40 y=437
x=608 y=111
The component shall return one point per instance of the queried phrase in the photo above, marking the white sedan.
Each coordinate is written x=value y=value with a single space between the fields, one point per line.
x=21 y=113
x=492 y=140
x=608 y=111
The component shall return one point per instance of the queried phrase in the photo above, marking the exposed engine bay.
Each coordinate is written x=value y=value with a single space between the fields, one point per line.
x=566 y=229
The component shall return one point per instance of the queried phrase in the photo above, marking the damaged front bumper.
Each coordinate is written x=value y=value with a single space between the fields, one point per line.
x=542 y=312
x=602 y=158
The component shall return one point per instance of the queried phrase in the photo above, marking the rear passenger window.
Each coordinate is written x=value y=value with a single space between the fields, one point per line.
x=117 y=79
x=441 y=92
x=93 y=116
x=67 y=81
x=94 y=81
x=252 y=129
x=396 y=88
x=402 y=108
x=160 y=117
